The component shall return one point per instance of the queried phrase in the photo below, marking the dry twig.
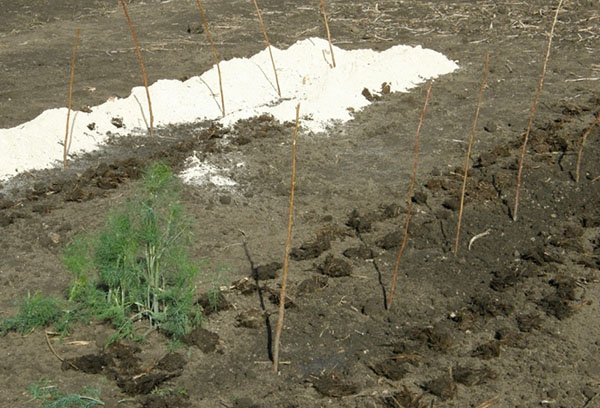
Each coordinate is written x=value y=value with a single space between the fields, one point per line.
x=532 y=115
x=288 y=244
x=142 y=66
x=214 y=52
x=62 y=360
x=468 y=159
x=70 y=99
x=328 y=33
x=264 y=30
x=410 y=194
x=583 y=139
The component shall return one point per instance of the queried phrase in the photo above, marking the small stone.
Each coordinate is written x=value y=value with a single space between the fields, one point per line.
x=225 y=199
x=420 y=197
x=490 y=127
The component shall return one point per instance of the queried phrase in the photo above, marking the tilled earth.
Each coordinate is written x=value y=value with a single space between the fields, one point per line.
x=511 y=321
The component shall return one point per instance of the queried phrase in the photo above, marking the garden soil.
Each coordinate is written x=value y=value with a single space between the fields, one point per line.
x=510 y=321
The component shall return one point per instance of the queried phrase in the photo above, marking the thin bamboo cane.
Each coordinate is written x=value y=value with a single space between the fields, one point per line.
x=532 y=115
x=262 y=25
x=468 y=159
x=327 y=30
x=214 y=52
x=288 y=245
x=70 y=99
x=142 y=66
x=410 y=194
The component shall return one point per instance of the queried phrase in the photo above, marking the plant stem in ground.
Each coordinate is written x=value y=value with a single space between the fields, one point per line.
x=409 y=207
x=327 y=30
x=262 y=25
x=583 y=139
x=288 y=245
x=532 y=115
x=214 y=52
x=468 y=159
x=70 y=99
x=142 y=66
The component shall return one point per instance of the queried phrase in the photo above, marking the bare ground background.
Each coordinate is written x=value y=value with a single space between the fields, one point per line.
x=512 y=321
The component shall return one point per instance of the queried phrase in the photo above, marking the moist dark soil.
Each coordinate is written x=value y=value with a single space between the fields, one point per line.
x=510 y=321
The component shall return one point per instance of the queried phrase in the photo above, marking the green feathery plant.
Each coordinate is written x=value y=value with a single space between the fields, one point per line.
x=137 y=267
x=51 y=397
x=34 y=311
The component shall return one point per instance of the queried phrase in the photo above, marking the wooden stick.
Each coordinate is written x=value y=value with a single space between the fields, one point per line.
x=262 y=25
x=327 y=30
x=468 y=159
x=288 y=245
x=142 y=66
x=532 y=115
x=410 y=194
x=583 y=139
x=214 y=52
x=70 y=99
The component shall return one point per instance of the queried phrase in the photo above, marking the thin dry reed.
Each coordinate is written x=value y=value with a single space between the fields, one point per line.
x=70 y=99
x=264 y=30
x=142 y=66
x=410 y=195
x=583 y=139
x=288 y=245
x=532 y=115
x=468 y=159
x=327 y=30
x=214 y=52
x=489 y=403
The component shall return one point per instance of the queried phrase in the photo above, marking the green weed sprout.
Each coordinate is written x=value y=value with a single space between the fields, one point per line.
x=34 y=311
x=51 y=397
x=137 y=267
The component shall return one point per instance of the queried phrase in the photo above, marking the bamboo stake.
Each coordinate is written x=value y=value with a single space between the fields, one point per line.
x=532 y=115
x=327 y=30
x=410 y=194
x=583 y=139
x=142 y=66
x=468 y=159
x=214 y=52
x=262 y=25
x=288 y=244
x=70 y=99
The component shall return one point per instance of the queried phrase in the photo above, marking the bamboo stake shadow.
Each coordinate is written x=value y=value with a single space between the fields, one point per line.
x=515 y=211
x=261 y=300
x=142 y=66
x=410 y=194
x=288 y=245
x=468 y=158
x=67 y=143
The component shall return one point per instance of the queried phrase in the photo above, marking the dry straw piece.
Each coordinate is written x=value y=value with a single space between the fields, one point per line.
x=532 y=115
x=262 y=25
x=70 y=99
x=142 y=66
x=214 y=52
x=327 y=30
x=288 y=245
x=583 y=139
x=410 y=195
x=468 y=159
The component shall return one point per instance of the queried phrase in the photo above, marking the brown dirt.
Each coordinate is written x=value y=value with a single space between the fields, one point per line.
x=512 y=320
